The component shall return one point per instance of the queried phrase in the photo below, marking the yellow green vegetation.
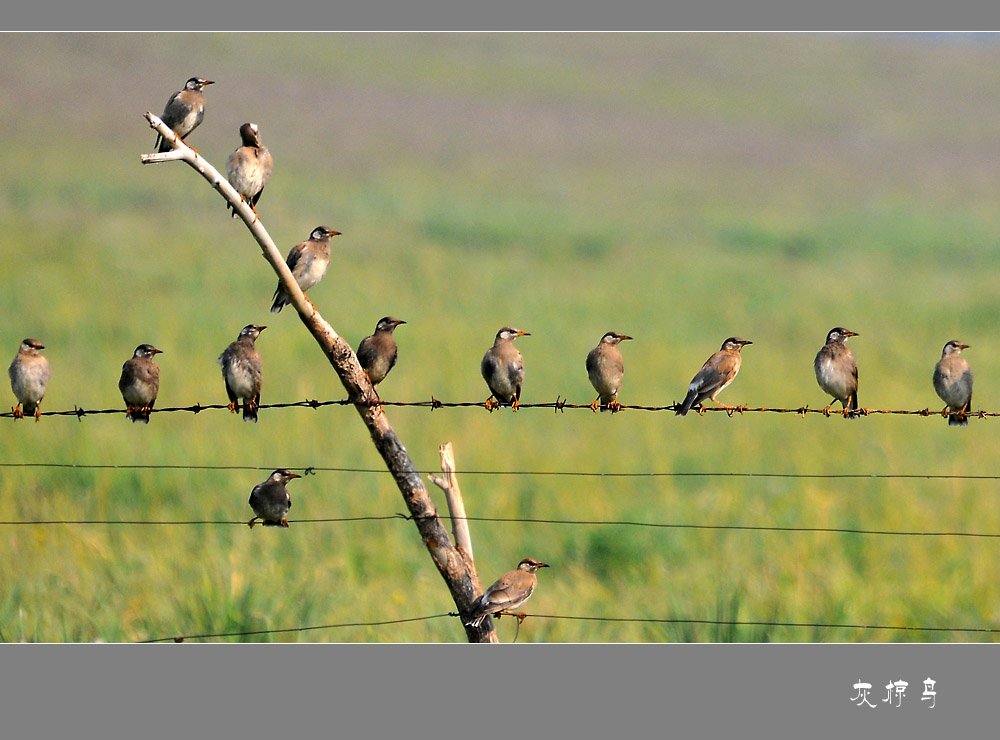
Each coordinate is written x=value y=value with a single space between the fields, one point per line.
x=680 y=189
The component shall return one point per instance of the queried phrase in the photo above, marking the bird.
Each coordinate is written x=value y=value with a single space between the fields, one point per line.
x=270 y=500
x=242 y=371
x=140 y=382
x=308 y=261
x=184 y=111
x=29 y=378
x=249 y=167
x=837 y=371
x=953 y=383
x=503 y=369
x=718 y=372
x=509 y=592
x=606 y=370
x=377 y=353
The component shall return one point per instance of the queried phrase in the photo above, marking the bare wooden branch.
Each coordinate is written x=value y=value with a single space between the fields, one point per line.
x=451 y=564
x=453 y=495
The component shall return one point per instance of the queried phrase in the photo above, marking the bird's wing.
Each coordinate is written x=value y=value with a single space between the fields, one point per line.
x=295 y=255
x=489 y=366
x=126 y=377
x=708 y=378
x=366 y=352
x=510 y=591
x=255 y=496
x=592 y=357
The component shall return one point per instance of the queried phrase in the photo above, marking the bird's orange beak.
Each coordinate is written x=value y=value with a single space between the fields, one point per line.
x=295 y=475
x=524 y=334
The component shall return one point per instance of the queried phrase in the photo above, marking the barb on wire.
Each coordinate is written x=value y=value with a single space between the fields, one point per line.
x=558 y=406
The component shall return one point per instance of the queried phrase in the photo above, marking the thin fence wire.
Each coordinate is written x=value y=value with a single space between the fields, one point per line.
x=314 y=469
x=571 y=617
x=560 y=404
x=399 y=517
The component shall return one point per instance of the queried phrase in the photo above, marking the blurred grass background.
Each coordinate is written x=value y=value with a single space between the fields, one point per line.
x=678 y=188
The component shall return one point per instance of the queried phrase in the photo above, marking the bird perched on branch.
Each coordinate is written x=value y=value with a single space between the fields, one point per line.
x=29 y=378
x=140 y=382
x=377 y=353
x=242 y=371
x=837 y=371
x=953 y=383
x=509 y=592
x=308 y=261
x=249 y=167
x=503 y=369
x=606 y=369
x=718 y=372
x=184 y=111
x=270 y=500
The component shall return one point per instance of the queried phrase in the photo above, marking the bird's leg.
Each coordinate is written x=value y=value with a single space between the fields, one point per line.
x=515 y=403
x=491 y=404
x=284 y=523
x=38 y=411
x=251 y=522
x=234 y=406
x=721 y=404
x=614 y=406
x=129 y=410
x=826 y=411
x=17 y=413
x=594 y=406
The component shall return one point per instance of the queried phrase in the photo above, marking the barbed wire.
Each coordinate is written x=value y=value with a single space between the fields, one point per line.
x=559 y=405
x=314 y=469
x=570 y=617
x=515 y=520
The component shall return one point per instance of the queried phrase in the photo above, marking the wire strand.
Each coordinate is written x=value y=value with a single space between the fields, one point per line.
x=560 y=404
x=313 y=469
x=182 y=638
x=571 y=617
x=515 y=520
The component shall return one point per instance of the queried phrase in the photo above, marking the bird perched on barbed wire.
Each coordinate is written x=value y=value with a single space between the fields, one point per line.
x=270 y=500
x=509 y=592
x=140 y=382
x=184 y=111
x=503 y=369
x=953 y=383
x=29 y=378
x=308 y=261
x=242 y=370
x=837 y=371
x=718 y=372
x=249 y=167
x=606 y=369
x=377 y=353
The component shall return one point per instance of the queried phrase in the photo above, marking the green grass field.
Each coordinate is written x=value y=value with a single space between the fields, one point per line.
x=680 y=189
